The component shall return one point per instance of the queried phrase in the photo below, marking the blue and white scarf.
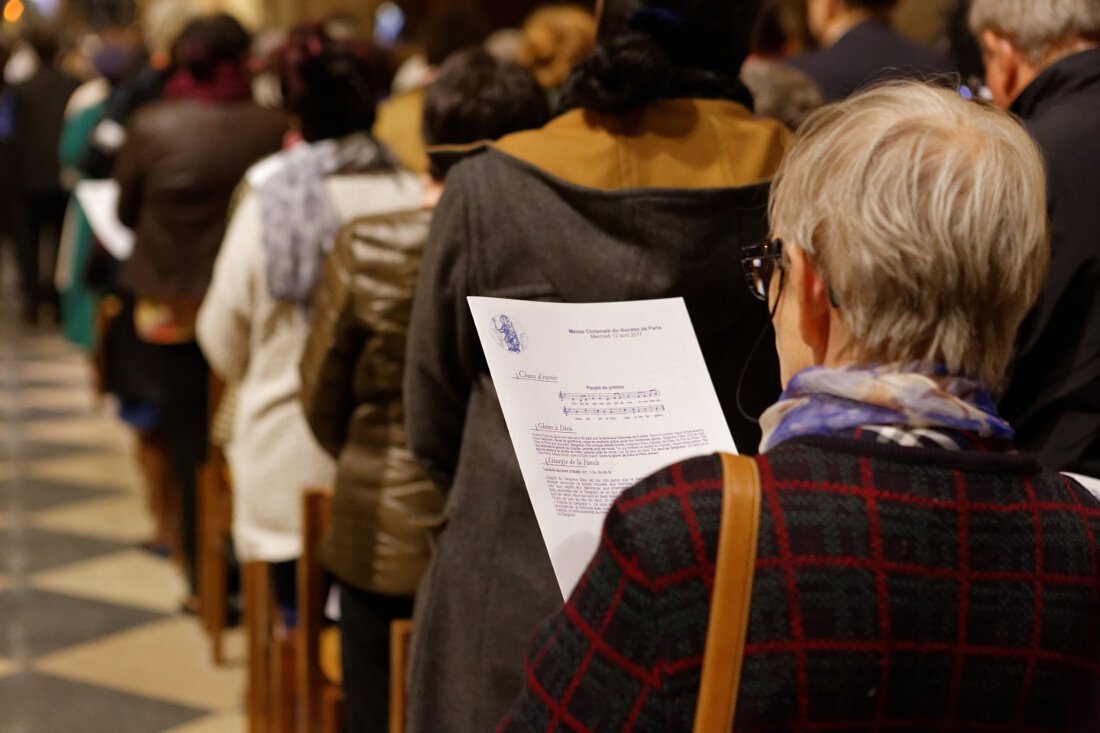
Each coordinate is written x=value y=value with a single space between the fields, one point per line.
x=822 y=401
x=299 y=222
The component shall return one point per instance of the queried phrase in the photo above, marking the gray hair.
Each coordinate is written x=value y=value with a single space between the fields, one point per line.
x=780 y=91
x=926 y=215
x=1037 y=28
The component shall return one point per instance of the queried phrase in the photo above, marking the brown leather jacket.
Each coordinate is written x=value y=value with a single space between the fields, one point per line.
x=177 y=172
x=383 y=504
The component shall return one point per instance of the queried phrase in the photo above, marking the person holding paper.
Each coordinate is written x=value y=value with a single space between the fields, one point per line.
x=913 y=570
x=645 y=186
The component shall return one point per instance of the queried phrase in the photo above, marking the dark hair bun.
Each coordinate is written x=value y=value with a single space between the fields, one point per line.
x=620 y=73
x=659 y=49
x=331 y=86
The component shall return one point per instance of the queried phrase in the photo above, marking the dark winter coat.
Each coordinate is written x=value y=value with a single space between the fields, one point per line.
x=895 y=588
x=40 y=104
x=870 y=52
x=1053 y=397
x=178 y=170
x=653 y=204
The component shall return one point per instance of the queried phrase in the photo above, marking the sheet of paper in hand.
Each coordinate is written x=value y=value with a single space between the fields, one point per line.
x=99 y=200
x=596 y=397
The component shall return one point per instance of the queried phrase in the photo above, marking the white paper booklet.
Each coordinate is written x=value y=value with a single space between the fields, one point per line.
x=1090 y=483
x=99 y=200
x=596 y=397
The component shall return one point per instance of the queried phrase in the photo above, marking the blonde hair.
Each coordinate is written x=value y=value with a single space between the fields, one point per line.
x=926 y=215
x=556 y=39
x=1037 y=28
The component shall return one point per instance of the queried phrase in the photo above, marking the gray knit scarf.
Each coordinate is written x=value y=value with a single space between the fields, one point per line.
x=299 y=222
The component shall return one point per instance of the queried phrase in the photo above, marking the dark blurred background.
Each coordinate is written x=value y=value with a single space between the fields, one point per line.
x=922 y=19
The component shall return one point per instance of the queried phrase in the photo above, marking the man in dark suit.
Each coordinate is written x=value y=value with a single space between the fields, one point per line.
x=859 y=46
x=1042 y=62
x=40 y=199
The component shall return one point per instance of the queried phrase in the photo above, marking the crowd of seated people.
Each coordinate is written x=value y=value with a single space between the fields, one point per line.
x=913 y=363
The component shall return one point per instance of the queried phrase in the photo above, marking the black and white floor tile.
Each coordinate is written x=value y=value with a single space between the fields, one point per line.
x=91 y=638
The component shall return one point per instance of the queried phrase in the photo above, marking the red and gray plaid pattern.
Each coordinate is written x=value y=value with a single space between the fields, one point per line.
x=896 y=589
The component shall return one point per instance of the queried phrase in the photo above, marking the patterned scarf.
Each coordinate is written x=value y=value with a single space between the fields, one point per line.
x=300 y=223
x=822 y=401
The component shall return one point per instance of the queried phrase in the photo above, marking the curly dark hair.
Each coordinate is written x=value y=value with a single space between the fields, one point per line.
x=332 y=86
x=659 y=49
x=477 y=97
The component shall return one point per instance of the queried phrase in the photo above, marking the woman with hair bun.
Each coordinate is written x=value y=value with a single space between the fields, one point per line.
x=256 y=320
x=645 y=186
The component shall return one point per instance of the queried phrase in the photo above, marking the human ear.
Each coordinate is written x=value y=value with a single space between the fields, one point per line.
x=1002 y=67
x=813 y=300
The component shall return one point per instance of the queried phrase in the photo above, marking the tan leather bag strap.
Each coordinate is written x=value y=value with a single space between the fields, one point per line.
x=729 y=606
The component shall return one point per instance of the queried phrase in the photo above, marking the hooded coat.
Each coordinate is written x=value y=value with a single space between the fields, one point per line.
x=655 y=203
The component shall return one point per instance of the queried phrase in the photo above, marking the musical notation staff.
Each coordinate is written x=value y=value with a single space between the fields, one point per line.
x=639 y=410
x=587 y=397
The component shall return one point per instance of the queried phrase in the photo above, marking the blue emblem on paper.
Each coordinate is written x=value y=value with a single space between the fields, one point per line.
x=510 y=334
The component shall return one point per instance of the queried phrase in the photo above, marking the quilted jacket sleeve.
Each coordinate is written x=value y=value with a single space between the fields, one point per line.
x=335 y=342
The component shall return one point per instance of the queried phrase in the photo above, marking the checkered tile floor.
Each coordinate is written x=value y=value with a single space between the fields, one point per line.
x=91 y=639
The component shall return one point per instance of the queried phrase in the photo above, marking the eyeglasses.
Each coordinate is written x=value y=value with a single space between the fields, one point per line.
x=760 y=262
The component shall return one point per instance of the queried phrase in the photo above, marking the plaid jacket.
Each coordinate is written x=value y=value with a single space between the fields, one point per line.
x=896 y=589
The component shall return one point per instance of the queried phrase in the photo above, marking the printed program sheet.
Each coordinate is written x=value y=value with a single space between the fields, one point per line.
x=596 y=397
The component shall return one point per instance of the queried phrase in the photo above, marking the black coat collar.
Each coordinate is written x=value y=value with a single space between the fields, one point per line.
x=1063 y=79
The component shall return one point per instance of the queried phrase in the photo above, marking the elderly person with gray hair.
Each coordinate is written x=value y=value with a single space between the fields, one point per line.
x=1042 y=62
x=912 y=570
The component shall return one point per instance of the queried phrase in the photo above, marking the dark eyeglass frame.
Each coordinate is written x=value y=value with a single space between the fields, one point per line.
x=759 y=262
